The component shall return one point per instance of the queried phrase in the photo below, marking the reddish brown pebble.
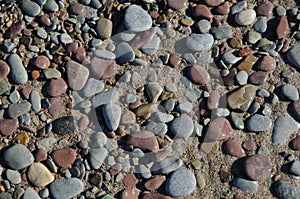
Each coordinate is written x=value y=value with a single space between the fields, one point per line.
x=130 y=180
x=202 y=11
x=71 y=47
x=16 y=29
x=56 y=107
x=143 y=38
x=258 y=78
x=176 y=4
x=244 y=52
x=223 y=9
x=155 y=196
x=130 y=194
x=214 y=2
x=174 y=60
x=8 y=126
x=155 y=182
x=234 y=148
x=77 y=8
x=213 y=100
x=258 y=167
x=296 y=108
x=199 y=75
x=219 y=129
x=26 y=92
x=114 y=170
x=295 y=143
x=42 y=62
x=250 y=145
x=128 y=117
x=103 y=68
x=57 y=87
x=45 y=20
x=4 y=70
x=64 y=157
x=40 y=155
x=265 y=9
x=144 y=140
x=230 y=78
x=35 y=74
x=282 y=29
x=266 y=63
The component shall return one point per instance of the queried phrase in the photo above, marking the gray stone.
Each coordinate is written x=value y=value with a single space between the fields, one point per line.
x=284 y=126
x=8 y=46
x=242 y=77
x=98 y=140
x=230 y=57
x=189 y=57
x=17 y=71
x=16 y=110
x=41 y=32
x=293 y=55
x=181 y=183
x=124 y=53
x=51 y=5
x=203 y=26
x=18 y=157
x=199 y=42
x=105 y=98
x=237 y=121
x=35 y=100
x=137 y=19
x=220 y=112
x=245 y=18
x=295 y=168
x=267 y=110
x=255 y=106
x=112 y=115
x=66 y=38
x=280 y=11
x=167 y=165
x=52 y=73
x=238 y=7
x=105 y=54
x=14 y=177
x=97 y=157
x=253 y=37
x=4 y=86
x=261 y=24
x=263 y=93
x=30 y=8
x=222 y=32
x=284 y=190
x=169 y=105
x=14 y=97
x=182 y=127
x=30 y=193
x=290 y=92
x=92 y=87
x=245 y=185
x=185 y=107
x=159 y=129
x=151 y=47
x=162 y=117
x=192 y=94
x=143 y=170
x=46 y=143
x=66 y=188
x=154 y=90
x=258 y=123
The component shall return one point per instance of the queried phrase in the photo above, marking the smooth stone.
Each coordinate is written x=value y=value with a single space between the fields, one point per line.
x=284 y=126
x=159 y=128
x=30 y=8
x=285 y=191
x=258 y=77
x=199 y=75
x=42 y=62
x=265 y=9
x=260 y=24
x=42 y=33
x=97 y=157
x=140 y=39
x=258 y=167
x=185 y=107
x=51 y=5
x=176 y=4
x=266 y=63
x=151 y=47
x=234 y=148
x=130 y=180
x=237 y=121
x=259 y=123
x=223 y=9
x=39 y=175
x=202 y=11
x=154 y=90
x=124 y=53
x=64 y=125
x=222 y=32
x=253 y=37
x=182 y=127
x=144 y=140
x=155 y=196
x=199 y=42
x=137 y=19
x=230 y=57
x=293 y=56
x=16 y=110
x=219 y=129
x=162 y=117
x=4 y=70
x=5 y=195
x=295 y=168
x=112 y=115
x=17 y=70
x=203 y=26
x=130 y=193
x=92 y=87
x=46 y=143
x=52 y=73
x=57 y=87
x=238 y=7
x=18 y=157
x=9 y=126
x=296 y=108
x=66 y=188
x=213 y=100
x=242 y=98
x=106 y=97
x=77 y=75
x=104 y=54
x=104 y=28
x=245 y=18
x=35 y=100
x=242 y=77
x=56 y=107
x=77 y=8
x=220 y=112
x=103 y=68
x=280 y=11
x=290 y=92
x=30 y=193
x=154 y=183
x=214 y=3
x=181 y=183
x=245 y=185
x=283 y=28
x=14 y=177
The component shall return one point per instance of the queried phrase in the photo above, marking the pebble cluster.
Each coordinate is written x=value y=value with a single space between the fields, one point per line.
x=151 y=99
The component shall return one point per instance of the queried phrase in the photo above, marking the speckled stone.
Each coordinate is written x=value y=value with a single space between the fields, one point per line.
x=64 y=125
x=282 y=29
x=8 y=126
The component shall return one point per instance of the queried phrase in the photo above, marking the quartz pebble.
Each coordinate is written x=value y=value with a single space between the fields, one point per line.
x=39 y=175
x=245 y=18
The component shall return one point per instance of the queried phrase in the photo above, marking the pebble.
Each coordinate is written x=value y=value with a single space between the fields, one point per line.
x=181 y=183
x=222 y=32
x=265 y=9
x=295 y=168
x=42 y=62
x=242 y=77
x=52 y=73
x=245 y=185
x=4 y=70
x=92 y=87
x=17 y=71
x=51 y=5
x=154 y=90
x=290 y=92
x=64 y=125
x=77 y=75
x=176 y=4
x=284 y=126
x=144 y=140
x=182 y=127
x=280 y=11
x=30 y=193
x=108 y=67
x=199 y=42
x=64 y=157
x=258 y=167
x=130 y=193
x=185 y=107
x=199 y=75
x=266 y=63
x=124 y=53
x=162 y=117
x=130 y=180
x=245 y=18
x=237 y=121
x=293 y=56
x=39 y=175
x=259 y=123
x=283 y=29
x=57 y=87
x=104 y=28
x=203 y=26
x=258 y=77
x=219 y=129
x=223 y=9
x=8 y=126
x=97 y=157
x=151 y=47
x=112 y=115
x=35 y=100
x=16 y=110
x=18 y=157
x=154 y=183
x=253 y=37
x=285 y=190
x=238 y=7
x=14 y=177
x=137 y=19
x=202 y=11
x=230 y=57
x=30 y=8
x=261 y=24
x=66 y=188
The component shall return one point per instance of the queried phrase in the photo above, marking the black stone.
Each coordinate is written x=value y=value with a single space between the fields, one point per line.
x=64 y=125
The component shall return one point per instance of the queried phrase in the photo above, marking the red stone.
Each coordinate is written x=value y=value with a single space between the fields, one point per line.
x=42 y=62
x=114 y=170
x=4 y=70
x=258 y=167
x=213 y=100
x=282 y=29
x=144 y=140
x=56 y=107
x=202 y=11
x=223 y=9
x=214 y=2
x=130 y=180
x=250 y=145
x=199 y=75
x=77 y=8
x=295 y=143
x=176 y=4
x=258 y=78
x=265 y=9
x=8 y=126
x=155 y=182
x=57 y=87
x=130 y=193
x=64 y=157
x=45 y=20
x=155 y=196
x=16 y=29
x=143 y=38
x=219 y=129
x=103 y=68
x=26 y=92
x=266 y=63
x=77 y=75
x=40 y=155
x=234 y=148
x=174 y=60
x=244 y=52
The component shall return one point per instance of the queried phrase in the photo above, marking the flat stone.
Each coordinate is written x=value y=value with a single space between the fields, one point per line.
x=282 y=29
x=167 y=165
x=182 y=127
x=261 y=24
x=14 y=177
x=202 y=11
x=18 y=157
x=219 y=129
x=185 y=107
x=293 y=56
x=213 y=100
x=266 y=63
x=130 y=180
x=258 y=167
x=234 y=148
x=77 y=75
x=77 y=8
x=181 y=183
x=151 y=47
x=30 y=8
x=154 y=183
x=51 y=5
x=106 y=97
x=137 y=19
x=52 y=73
x=253 y=37
x=230 y=57
x=112 y=115
x=57 y=87
x=104 y=54
x=8 y=126
x=124 y=53
x=284 y=126
x=199 y=42
x=223 y=9
x=214 y=3
x=242 y=98
x=97 y=157
x=222 y=32
x=258 y=77
x=18 y=72
x=245 y=185
x=42 y=62
x=104 y=28
x=16 y=110
x=161 y=117
x=144 y=140
x=4 y=70
x=64 y=157
x=259 y=123
x=237 y=122
x=154 y=90
x=40 y=155
x=284 y=190
x=290 y=92
x=103 y=68
x=295 y=168
x=92 y=87
x=203 y=26
x=64 y=125
x=199 y=75
x=56 y=107
x=35 y=100
x=238 y=7
x=39 y=175
x=245 y=18
x=176 y=4
x=265 y=9
x=66 y=188
x=30 y=193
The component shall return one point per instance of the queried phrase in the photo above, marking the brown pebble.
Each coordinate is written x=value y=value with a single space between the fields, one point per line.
x=64 y=157
x=42 y=62
x=230 y=78
x=244 y=52
x=199 y=75
x=223 y=9
x=265 y=9
x=57 y=87
x=176 y=4
x=16 y=29
x=266 y=63
x=114 y=170
x=56 y=107
x=258 y=78
x=144 y=140
x=8 y=126
x=213 y=100
x=155 y=182
x=103 y=68
x=4 y=70
x=143 y=38
x=45 y=20
x=130 y=180
x=282 y=29
x=35 y=74
x=234 y=148
x=295 y=143
x=41 y=155
x=202 y=11
x=174 y=60
x=214 y=3
x=219 y=129
x=77 y=8
x=258 y=167
x=250 y=145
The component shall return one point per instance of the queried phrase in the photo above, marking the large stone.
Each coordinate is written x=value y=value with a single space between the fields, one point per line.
x=199 y=42
x=77 y=75
x=293 y=56
x=137 y=19
x=144 y=140
x=258 y=167
x=219 y=129
x=39 y=175
x=18 y=72
x=18 y=157
x=66 y=188
x=18 y=109
x=104 y=28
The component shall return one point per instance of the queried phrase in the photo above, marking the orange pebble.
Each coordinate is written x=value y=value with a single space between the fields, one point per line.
x=35 y=74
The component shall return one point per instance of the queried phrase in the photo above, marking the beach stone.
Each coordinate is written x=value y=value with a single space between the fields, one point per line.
x=258 y=77
x=103 y=68
x=151 y=47
x=64 y=125
x=97 y=157
x=284 y=190
x=39 y=175
x=253 y=37
x=130 y=180
x=245 y=185
x=222 y=32
x=77 y=75
x=104 y=54
x=223 y=9
x=265 y=9
x=199 y=75
x=219 y=129
x=154 y=90
x=106 y=97
x=56 y=107
x=64 y=157
x=4 y=70
x=57 y=87
x=130 y=193
x=16 y=110
x=182 y=127
x=92 y=87
x=124 y=53
x=52 y=73
x=185 y=107
x=290 y=92
x=238 y=123
x=8 y=126
x=199 y=42
x=30 y=193
x=104 y=28
x=30 y=8
x=162 y=117
x=245 y=18
x=14 y=177
x=234 y=148
x=154 y=183
x=42 y=62
x=144 y=140
x=18 y=72
x=284 y=126
x=35 y=100
x=66 y=188
x=282 y=29
x=293 y=55
x=77 y=8
x=261 y=24
x=258 y=167
x=230 y=57
x=213 y=100
x=40 y=155
x=5 y=195
x=238 y=7
x=258 y=123
x=295 y=168
x=242 y=77
x=18 y=157
x=137 y=19
x=280 y=11
x=214 y=3
x=176 y=4
x=266 y=63
x=51 y=5
x=140 y=39
x=242 y=98
x=181 y=183
x=203 y=26
x=112 y=115
x=202 y=11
